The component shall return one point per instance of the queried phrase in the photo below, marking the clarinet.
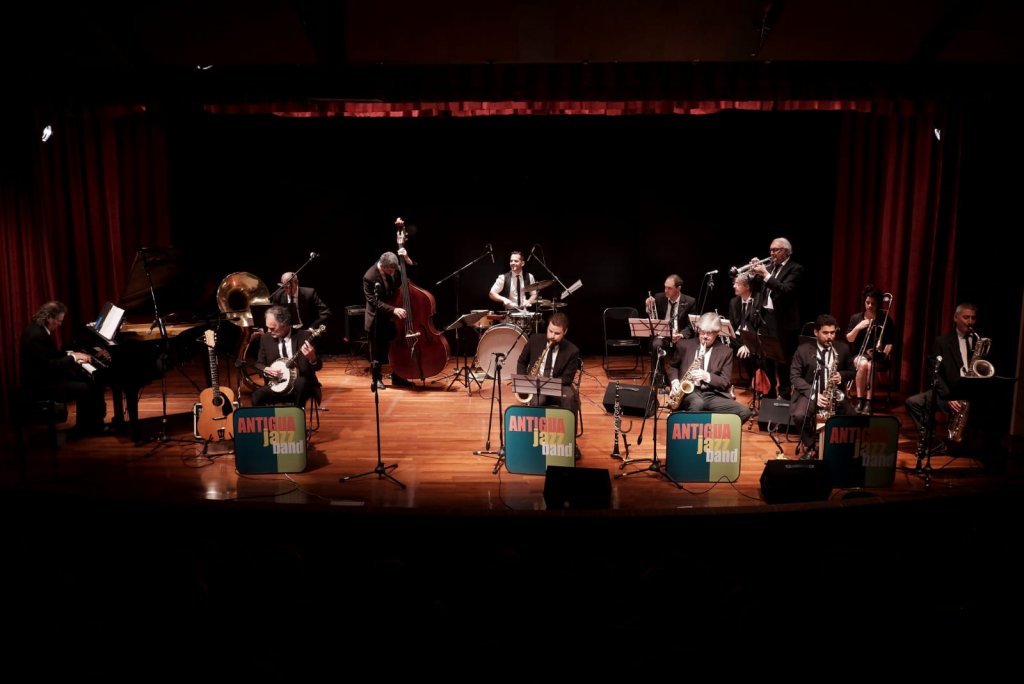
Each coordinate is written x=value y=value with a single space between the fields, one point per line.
x=617 y=412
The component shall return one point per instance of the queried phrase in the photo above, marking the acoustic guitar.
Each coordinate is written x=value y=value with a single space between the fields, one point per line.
x=218 y=402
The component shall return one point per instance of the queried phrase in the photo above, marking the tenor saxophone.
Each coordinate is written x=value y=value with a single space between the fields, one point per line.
x=686 y=386
x=534 y=371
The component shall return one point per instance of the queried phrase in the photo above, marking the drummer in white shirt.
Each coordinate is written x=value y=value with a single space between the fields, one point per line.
x=508 y=288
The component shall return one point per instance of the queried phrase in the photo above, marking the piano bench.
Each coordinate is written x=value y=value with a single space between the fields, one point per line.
x=48 y=412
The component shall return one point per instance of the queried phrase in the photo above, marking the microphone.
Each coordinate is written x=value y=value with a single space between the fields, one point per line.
x=532 y=250
x=715 y=272
x=490 y=248
x=376 y=289
x=938 y=362
x=314 y=255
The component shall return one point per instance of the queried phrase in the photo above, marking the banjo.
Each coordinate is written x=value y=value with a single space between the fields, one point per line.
x=285 y=382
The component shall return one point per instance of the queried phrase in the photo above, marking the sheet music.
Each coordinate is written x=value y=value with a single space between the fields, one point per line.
x=109 y=321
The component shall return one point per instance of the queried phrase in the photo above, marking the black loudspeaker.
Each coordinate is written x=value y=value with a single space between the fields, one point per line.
x=567 y=487
x=775 y=411
x=634 y=399
x=786 y=481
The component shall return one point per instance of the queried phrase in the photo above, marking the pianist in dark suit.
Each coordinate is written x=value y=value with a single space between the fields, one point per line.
x=49 y=373
x=283 y=342
x=307 y=309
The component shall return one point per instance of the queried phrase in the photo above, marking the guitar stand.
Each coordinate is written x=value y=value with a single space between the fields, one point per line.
x=380 y=470
x=655 y=464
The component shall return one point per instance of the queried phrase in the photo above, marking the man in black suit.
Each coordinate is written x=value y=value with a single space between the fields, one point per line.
x=711 y=374
x=307 y=309
x=675 y=307
x=380 y=283
x=955 y=348
x=282 y=341
x=743 y=316
x=562 y=361
x=777 y=285
x=819 y=371
x=48 y=373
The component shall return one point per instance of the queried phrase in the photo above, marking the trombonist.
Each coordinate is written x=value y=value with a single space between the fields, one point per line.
x=673 y=306
x=873 y=338
x=777 y=289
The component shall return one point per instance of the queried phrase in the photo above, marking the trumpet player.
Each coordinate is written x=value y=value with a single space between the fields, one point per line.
x=777 y=286
x=562 y=360
x=706 y=365
x=956 y=349
x=673 y=306
x=818 y=373
x=871 y=334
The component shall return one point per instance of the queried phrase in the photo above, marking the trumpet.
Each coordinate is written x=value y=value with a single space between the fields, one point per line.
x=736 y=270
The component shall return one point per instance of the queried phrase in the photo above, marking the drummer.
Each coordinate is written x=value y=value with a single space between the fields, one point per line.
x=509 y=288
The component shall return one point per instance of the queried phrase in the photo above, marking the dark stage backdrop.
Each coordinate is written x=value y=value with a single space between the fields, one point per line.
x=616 y=202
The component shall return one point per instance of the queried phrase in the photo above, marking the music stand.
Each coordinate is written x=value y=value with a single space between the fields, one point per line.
x=538 y=386
x=990 y=399
x=464 y=374
x=649 y=327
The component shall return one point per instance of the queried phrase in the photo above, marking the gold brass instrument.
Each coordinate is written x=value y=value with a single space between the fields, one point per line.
x=875 y=333
x=534 y=371
x=977 y=368
x=236 y=295
x=686 y=384
x=833 y=395
x=736 y=270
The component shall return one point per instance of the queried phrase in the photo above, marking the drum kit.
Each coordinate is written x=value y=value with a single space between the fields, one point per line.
x=507 y=333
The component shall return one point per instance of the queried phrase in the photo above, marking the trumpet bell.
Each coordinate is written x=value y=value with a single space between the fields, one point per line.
x=237 y=294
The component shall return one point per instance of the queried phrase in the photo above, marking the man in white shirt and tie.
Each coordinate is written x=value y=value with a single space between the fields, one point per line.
x=282 y=341
x=508 y=287
x=777 y=285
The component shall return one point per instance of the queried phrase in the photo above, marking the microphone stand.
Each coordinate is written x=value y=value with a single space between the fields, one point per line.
x=655 y=464
x=465 y=373
x=565 y=290
x=495 y=392
x=280 y=286
x=381 y=471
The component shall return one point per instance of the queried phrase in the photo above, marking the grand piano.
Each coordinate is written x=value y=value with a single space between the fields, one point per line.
x=142 y=351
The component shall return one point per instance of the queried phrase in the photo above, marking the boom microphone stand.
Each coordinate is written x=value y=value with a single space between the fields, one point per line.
x=495 y=392
x=655 y=464
x=463 y=374
x=382 y=471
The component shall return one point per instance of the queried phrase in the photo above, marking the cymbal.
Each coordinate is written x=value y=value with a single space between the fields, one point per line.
x=539 y=285
x=550 y=305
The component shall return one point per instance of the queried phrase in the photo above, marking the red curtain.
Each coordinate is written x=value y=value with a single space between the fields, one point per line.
x=73 y=212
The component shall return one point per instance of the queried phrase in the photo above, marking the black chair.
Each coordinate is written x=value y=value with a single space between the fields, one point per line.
x=579 y=400
x=355 y=334
x=312 y=411
x=619 y=342
x=26 y=411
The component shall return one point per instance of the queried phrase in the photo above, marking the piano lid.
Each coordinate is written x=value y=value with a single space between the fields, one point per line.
x=176 y=283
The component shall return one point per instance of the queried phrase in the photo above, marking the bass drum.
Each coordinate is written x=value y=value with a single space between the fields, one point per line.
x=252 y=378
x=507 y=339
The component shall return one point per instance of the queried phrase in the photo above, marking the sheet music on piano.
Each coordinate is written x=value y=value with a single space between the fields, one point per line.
x=109 y=322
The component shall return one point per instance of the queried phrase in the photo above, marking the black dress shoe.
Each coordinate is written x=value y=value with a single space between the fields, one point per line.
x=399 y=381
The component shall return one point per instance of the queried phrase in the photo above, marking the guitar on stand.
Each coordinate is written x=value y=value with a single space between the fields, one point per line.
x=217 y=403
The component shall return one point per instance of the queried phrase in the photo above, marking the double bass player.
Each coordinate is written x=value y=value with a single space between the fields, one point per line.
x=380 y=283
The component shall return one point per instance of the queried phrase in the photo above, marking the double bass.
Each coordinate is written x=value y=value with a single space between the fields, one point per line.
x=419 y=350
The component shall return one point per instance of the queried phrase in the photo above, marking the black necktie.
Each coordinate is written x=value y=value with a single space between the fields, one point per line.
x=822 y=375
x=284 y=354
x=519 y=290
x=743 y=316
x=775 y=270
x=548 y=364
x=970 y=344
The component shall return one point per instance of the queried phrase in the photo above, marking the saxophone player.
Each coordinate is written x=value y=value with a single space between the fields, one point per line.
x=705 y=365
x=818 y=372
x=562 y=360
x=956 y=349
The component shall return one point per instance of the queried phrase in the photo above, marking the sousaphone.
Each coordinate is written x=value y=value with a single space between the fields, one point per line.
x=237 y=294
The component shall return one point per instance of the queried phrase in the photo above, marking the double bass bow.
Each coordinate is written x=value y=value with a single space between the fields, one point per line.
x=419 y=350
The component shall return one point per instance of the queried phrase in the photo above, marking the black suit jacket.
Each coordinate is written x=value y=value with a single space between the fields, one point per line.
x=784 y=289
x=948 y=347
x=270 y=351
x=739 y=322
x=379 y=301
x=311 y=309
x=42 y=364
x=805 y=363
x=567 y=362
x=683 y=311
x=719 y=365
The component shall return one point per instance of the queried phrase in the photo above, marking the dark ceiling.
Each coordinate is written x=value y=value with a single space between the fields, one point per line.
x=92 y=37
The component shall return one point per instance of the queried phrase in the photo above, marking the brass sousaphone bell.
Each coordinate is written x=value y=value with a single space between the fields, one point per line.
x=237 y=294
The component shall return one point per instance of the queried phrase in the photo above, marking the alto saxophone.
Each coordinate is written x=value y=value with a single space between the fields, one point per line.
x=833 y=395
x=978 y=368
x=534 y=371
x=617 y=412
x=686 y=386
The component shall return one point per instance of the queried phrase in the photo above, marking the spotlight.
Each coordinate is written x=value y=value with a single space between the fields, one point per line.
x=47 y=133
x=938 y=134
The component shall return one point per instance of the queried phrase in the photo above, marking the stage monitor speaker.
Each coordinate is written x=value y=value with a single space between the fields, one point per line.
x=776 y=412
x=634 y=399
x=785 y=481
x=567 y=487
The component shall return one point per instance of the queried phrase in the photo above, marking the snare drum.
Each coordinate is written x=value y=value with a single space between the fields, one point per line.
x=510 y=340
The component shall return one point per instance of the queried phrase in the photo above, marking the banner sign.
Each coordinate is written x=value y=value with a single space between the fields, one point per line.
x=703 y=447
x=537 y=437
